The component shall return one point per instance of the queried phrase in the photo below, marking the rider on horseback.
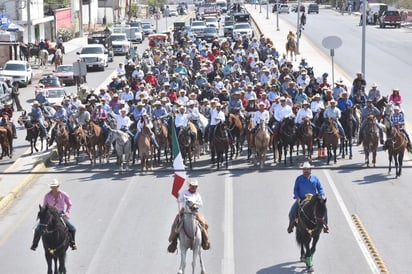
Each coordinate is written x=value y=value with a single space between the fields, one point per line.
x=60 y=200
x=182 y=121
x=282 y=112
x=398 y=120
x=7 y=115
x=60 y=114
x=189 y=194
x=36 y=115
x=160 y=112
x=343 y=103
x=305 y=184
x=304 y=112
x=370 y=109
x=332 y=112
x=261 y=116
x=145 y=121
x=82 y=117
x=194 y=116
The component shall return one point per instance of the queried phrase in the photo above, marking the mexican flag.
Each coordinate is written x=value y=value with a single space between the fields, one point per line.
x=178 y=166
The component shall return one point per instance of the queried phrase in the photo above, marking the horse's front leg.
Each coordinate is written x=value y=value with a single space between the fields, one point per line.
x=62 y=264
x=183 y=252
x=290 y=154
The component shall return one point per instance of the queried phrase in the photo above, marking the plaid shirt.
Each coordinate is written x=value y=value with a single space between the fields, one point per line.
x=397 y=119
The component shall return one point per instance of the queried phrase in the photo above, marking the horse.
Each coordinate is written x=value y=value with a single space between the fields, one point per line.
x=387 y=115
x=44 y=57
x=310 y=222
x=236 y=128
x=96 y=142
x=249 y=136
x=55 y=238
x=4 y=143
x=161 y=133
x=305 y=138
x=380 y=105
x=33 y=132
x=287 y=138
x=190 y=236
x=145 y=149
x=7 y=138
x=81 y=141
x=186 y=145
x=291 y=48
x=220 y=145
x=62 y=141
x=262 y=139
x=123 y=147
x=330 y=139
x=396 y=144
x=370 y=139
x=349 y=128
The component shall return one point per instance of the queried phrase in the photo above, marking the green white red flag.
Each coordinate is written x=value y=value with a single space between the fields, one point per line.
x=178 y=166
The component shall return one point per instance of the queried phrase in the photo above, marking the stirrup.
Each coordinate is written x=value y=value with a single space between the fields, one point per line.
x=205 y=245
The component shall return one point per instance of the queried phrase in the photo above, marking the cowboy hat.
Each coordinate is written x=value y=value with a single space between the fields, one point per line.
x=193 y=183
x=306 y=165
x=54 y=183
x=396 y=108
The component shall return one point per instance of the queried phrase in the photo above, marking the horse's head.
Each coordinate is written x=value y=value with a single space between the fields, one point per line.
x=191 y=206
x=319 y=209
x=110 y=137
x=47 y=215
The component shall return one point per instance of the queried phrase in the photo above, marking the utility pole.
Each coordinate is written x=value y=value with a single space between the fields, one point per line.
x=80 y=18
x=28 y=3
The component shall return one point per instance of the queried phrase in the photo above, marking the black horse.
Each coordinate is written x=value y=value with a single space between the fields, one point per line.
x=311 y=221
x=287 y=138
x=33 y=132
x=220 y=144
x=55 y=237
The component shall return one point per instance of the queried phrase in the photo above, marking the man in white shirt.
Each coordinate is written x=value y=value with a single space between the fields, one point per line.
x=181 y=120
x=124 y=122
x=332 y=112
x=283 y=112
x=145 y=121
x=261 y=116
x=194 y=116
x=127 y=94
x=304 y=112
x=217 y=116
x=316 y=105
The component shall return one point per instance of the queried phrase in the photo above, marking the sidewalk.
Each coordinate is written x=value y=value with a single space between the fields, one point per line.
x=321 y=62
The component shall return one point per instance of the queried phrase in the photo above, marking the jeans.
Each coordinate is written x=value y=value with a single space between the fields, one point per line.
x=338 y=125
x=363 y=125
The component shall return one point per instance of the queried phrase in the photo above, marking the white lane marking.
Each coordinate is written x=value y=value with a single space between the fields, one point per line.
x=228 y=262
x=352 y=226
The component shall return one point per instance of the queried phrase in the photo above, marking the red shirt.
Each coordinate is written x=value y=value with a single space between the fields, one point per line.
x=172 y=96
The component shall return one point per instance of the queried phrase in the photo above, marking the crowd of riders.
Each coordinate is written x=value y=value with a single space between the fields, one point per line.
x=191 y=79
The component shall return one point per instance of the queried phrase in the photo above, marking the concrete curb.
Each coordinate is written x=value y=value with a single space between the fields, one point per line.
x=39 y=166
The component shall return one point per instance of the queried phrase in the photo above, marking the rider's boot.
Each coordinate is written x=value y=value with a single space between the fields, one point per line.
x=72 y=240
x=290 y=227
x=360 y=139
x=205 y=239
x=172 y=241
x=325 y=228
x=36 y=240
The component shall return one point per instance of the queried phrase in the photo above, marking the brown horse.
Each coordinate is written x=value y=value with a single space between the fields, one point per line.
x=145 y=149
x=250 y=137
x=370 y=139
x=236 y=129
x=349 y=128
x=396 y=144
x=62 y=141
x=305 y=138
x=330 y=139
x=291 y=48
x=161 y=133
x=4 y=142
x=96 y=142
x=187 y=145
x=58 y=60
x=81 y=141
x=7 y=150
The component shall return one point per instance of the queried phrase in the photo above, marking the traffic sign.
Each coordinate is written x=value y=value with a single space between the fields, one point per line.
x=332 y=42
x=157 y=16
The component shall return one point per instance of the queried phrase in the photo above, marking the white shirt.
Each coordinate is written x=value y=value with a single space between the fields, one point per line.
x=282 y=113
x=274 y=107
x=127 y=96
x=187 y=195
x=302 y=113
x=120 y=71
x=315 y=106
x=193 y=113
x=250 y=95
x=123 y=122
x=138 y=74
x=216 y=117
x=264 y=115
x=181 y=120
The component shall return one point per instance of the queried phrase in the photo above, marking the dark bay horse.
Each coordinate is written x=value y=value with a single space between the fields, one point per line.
x=186 y=145
x=220 y=144
x=96 y=142
x=380 y=105
x=62 y=142
x=287 y=138
x=349 y=128
x=291 y=48
x=330 y=139
x=370 y=139
x=396 y=144
x=311 y=220
x=33 y=132
x=236 y=128
x=305 y=139
x=4 y=143
x=55 y=237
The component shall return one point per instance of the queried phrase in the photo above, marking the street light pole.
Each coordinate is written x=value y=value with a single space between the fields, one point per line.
x=363 y=36
x=267 y=10
x=28 y=3
x=260 y=6
x=277 y=15
x=298 y=28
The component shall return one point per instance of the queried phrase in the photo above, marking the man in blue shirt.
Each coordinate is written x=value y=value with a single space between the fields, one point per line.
x=305 y=184
x=36 y=114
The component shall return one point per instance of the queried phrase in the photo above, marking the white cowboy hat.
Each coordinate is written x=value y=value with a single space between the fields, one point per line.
x=306 y=165
x=193 y=183
x=396 y=108
x=54 y=183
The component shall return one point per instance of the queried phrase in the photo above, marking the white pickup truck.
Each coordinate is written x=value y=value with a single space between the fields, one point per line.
x=121 y=45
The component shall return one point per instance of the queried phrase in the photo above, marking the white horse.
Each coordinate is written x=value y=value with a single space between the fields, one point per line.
x=123 y=147
x=190 y=236
x=44 y=57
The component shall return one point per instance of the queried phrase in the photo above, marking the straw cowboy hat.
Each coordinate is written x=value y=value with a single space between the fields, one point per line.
x=306 y=165
x=54 y=183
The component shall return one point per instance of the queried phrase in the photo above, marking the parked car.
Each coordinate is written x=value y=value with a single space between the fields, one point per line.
x=20 y=71
x=95 y=56
x=121 y=45
x=390 y=18
x=54 y=95
x=241 y=29
x=50 y=81
x=173 y=12
x=5 y=93
x=228 y=27
x=313 y=8
x=136 y=26
x=65 y=74
x=209 y=34
x=147 y=28
x=212 y=21
x=197 y=27
x=295 y=8
x=284 y=8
